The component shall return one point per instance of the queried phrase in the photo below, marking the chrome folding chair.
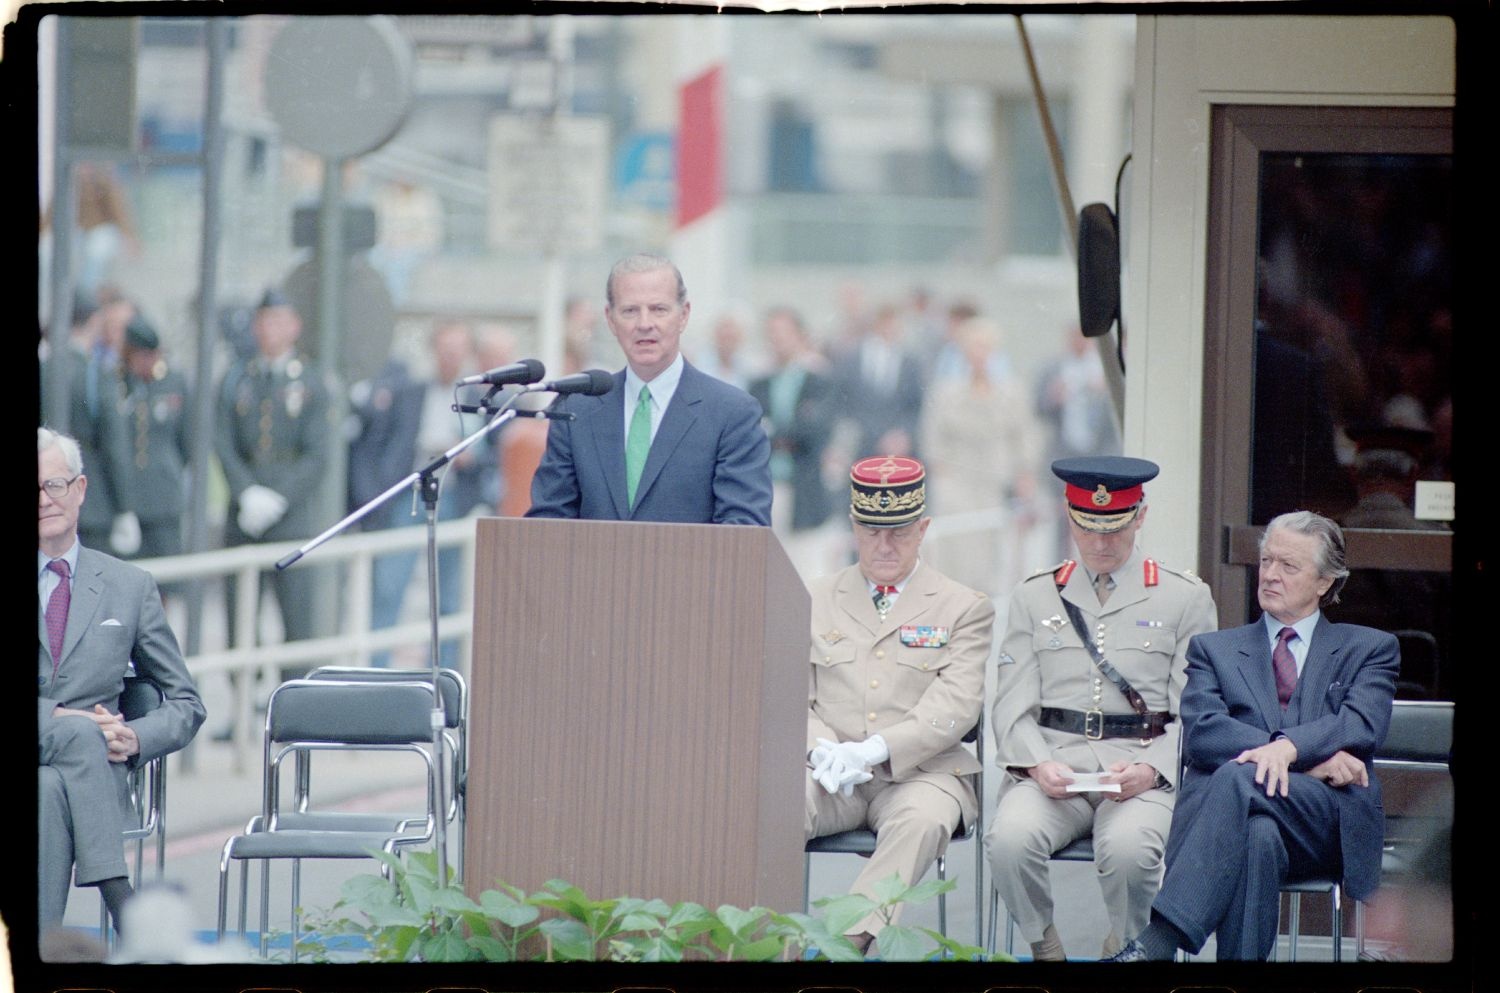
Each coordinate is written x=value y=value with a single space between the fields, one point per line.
x=147 y=790
x=861 y=841
x=1420 y=739
x=455 y=694
x=309 y=715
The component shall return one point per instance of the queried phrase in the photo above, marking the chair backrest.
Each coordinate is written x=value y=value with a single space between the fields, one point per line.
x=140 y=697
x=352 y=712
x=1419 y=664
x=1421 y=734
x=450 y=683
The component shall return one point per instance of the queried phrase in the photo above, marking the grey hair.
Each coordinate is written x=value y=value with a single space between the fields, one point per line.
x=72 y=455
x=1330 y=561
x=642 y=262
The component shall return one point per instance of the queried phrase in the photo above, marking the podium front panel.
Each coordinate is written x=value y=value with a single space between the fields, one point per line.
x=639 y=711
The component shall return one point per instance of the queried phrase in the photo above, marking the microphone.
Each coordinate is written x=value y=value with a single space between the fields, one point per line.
x=591 y=382
x=524 y=371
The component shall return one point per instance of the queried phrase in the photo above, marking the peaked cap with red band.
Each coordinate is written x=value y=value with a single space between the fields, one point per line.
x=1104 y=492
x=887 y=491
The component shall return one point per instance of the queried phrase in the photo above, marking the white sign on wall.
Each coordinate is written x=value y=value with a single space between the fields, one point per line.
x=547 y=182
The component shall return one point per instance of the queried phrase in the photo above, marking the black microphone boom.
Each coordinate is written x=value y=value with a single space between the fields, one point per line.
x=592 y=382
x=525 y=371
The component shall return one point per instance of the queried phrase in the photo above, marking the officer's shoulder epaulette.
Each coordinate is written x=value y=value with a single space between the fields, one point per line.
x=1046 y=570
x=1186 y=574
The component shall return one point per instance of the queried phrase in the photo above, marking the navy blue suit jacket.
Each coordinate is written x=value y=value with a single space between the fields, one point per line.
x=1342 y=702
x=709 y=462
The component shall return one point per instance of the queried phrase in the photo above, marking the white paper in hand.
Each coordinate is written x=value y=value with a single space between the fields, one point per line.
x=1089 y=782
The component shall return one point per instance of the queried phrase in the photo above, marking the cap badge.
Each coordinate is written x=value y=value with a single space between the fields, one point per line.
x=1101 y=496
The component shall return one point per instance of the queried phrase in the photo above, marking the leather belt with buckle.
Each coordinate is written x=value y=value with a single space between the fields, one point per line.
x=1095 y=724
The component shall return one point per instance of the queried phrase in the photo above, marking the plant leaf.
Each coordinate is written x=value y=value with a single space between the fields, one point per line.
x=841 y=912
x=506 y=909
x=761 y=950
x=640 y=922
x=445 y=946
x=834 y=947
x=571 y=941
x=903 y=944
x=889 y=890
x=741 y=923
x=453 y=900
x=964 y=953
x=493 y=949
x=689 y=913
x=922 y=892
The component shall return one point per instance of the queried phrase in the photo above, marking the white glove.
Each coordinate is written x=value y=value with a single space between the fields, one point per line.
x=260 y=507
x=863 y=754
x=125 y=535
x=833 y=773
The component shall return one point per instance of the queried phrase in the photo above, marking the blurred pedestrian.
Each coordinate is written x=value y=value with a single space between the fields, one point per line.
x=96 y=396
x=798 y=400
x=725 y=358
x=425 y=424
x=156 y=412
x=1073 y=401
x=879 y=388
x=983 y=446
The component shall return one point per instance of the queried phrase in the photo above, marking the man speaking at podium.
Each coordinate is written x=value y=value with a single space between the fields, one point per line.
x=897 y=680
x=667 y=443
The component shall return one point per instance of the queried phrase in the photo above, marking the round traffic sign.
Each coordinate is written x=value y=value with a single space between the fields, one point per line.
x=339 y=86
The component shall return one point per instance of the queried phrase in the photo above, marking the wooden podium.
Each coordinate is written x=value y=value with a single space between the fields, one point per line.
x=639 y=712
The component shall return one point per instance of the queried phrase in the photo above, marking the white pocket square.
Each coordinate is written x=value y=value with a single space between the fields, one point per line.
x=109 y=622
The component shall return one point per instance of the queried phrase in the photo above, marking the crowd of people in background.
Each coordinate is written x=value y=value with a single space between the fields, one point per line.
x=912 y=376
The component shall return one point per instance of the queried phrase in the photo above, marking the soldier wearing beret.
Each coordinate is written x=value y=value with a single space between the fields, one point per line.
x=156 y=414
x=896 y=681
x=1090 y=674
x=273 y=437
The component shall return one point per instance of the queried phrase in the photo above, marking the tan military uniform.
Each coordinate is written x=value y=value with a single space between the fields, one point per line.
x=917 y=679
x=1143 y=631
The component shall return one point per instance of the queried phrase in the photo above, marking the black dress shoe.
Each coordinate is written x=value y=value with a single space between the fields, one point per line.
x=1133 y=951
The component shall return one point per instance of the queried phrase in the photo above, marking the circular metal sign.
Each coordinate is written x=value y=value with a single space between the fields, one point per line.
x=339 y=86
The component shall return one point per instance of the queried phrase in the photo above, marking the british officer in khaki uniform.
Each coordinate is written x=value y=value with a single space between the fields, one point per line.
x=1090 y=674
x=896 y=681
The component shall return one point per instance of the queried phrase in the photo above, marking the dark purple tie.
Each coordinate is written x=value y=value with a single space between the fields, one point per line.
x=1285 y=666
x=57 y=611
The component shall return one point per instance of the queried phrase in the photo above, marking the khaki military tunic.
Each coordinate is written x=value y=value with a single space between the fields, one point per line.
x=1143 y=631
x=917 y=679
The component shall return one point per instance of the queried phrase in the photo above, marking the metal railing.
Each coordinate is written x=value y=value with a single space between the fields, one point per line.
x=349 y=559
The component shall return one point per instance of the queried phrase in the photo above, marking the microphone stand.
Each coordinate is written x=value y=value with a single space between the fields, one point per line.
x=428 y=485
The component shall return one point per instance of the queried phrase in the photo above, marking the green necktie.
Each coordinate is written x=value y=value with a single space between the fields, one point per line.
x=638 y=444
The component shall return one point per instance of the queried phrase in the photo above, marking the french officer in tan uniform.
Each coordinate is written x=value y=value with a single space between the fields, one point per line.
x=896 y=681
x=1090 y=673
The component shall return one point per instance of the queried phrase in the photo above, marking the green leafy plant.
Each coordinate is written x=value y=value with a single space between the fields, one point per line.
x=409 y=917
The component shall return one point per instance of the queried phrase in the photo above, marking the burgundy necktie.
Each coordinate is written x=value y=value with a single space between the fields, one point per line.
x=1285 y=666
x=57 y=611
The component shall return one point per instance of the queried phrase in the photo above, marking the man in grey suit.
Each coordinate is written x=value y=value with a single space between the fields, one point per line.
x=98 y=618
x=1278 y=745
x=667 y=442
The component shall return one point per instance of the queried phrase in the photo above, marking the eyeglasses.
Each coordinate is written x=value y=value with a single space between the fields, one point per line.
x=56 y=486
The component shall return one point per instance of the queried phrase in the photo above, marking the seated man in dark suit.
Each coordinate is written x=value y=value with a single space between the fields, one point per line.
x=667 y=442
x=1281 y=720
x=97 y=619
